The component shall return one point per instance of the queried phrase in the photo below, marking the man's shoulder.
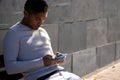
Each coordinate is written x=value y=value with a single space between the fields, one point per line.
x=13 y=30
x=42 y=29
x=14 y=27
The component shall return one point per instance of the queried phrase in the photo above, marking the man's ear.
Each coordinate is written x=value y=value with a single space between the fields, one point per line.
x=26 y=13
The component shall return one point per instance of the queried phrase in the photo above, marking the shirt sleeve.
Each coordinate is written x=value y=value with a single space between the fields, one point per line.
x=10 y=52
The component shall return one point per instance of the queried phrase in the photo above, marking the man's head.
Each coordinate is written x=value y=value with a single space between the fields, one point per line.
x=35 y=13
x=36 y=6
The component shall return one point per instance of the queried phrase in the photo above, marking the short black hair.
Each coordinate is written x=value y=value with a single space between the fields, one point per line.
x=36 y=6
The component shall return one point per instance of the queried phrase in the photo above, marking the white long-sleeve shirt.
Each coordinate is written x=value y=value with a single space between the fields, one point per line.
x=24 y=49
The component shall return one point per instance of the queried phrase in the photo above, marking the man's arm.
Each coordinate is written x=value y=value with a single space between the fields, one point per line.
x=11 y=50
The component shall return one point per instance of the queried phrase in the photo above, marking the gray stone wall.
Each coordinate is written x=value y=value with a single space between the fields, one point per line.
x=87 y=28
x=84 y=24
x=88 y=60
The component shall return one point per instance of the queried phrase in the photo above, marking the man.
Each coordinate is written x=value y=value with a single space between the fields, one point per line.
x=27 y=47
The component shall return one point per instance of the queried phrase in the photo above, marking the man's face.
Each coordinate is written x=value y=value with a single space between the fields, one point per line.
x=35 y=20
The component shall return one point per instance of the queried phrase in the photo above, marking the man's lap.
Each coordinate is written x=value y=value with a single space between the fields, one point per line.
x=63 y=75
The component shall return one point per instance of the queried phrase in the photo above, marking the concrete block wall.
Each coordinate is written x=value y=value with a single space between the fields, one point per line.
x=105 y=54
x=84 y=61
x=84 y=24
x=87 y=28
x=88 y=60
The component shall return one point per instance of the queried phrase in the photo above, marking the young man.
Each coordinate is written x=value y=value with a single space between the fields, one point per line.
x=27 y=47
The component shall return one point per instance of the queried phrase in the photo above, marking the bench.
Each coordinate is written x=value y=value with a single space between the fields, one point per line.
x=3 y=73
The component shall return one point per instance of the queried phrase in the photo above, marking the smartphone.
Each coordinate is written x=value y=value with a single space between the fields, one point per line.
x=61 y=56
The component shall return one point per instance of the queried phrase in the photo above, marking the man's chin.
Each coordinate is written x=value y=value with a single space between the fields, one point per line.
x=35 y=28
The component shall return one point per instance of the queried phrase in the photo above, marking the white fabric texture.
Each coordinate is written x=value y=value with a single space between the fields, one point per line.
x=64 y=75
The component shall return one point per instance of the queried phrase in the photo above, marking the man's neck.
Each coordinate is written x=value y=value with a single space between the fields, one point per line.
x=25 y=22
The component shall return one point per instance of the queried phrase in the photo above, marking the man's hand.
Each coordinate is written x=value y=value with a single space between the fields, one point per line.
x=48 y=60
x=60 y=60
